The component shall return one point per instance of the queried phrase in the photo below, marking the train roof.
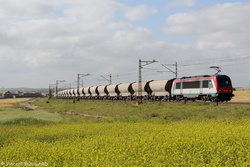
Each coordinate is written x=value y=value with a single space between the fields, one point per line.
x=200 y=76
x=197 y=76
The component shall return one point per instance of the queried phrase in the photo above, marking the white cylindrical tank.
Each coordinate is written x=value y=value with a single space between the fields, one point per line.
x=75 y=92
x=71 y=93
x=93 y=91
x=101 y=90
x=135 y=88
x=158 y=87
x=81 y=92
x=124 y=89
x=59 y=94
x=65 y=93
x=111 y=90
x=86 y=92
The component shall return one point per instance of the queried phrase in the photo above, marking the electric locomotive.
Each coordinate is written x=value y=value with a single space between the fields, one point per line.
x=207 y=88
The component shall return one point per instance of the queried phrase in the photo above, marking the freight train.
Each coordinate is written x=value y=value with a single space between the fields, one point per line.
x=205 y=87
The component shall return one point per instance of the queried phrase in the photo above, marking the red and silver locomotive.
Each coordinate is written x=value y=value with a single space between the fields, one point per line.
x=206 y=87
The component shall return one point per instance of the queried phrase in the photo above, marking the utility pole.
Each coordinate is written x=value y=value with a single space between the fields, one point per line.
x=50 y=91
x=107 y=79
x=78 y=78
x=57 y=82
x=175 y=72
x=140 y=78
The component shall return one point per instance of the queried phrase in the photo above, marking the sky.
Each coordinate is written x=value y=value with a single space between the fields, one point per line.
x=44 y=42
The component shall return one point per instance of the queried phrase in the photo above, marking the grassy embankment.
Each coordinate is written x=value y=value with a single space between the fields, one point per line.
x=11 y=113
x=150 y=112
x=130 y=135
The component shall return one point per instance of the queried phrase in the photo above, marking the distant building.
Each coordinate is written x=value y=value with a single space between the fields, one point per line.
x=9 y=94
x=19 y=94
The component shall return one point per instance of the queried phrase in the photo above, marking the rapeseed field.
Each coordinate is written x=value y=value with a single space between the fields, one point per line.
x=182 y=143
x=150 y=135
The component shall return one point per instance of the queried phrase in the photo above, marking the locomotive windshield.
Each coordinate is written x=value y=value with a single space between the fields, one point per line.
x=224 y=81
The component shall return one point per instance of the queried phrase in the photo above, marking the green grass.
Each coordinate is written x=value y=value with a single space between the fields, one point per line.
x=156 y=112
x=15 y=116
x=120 y=111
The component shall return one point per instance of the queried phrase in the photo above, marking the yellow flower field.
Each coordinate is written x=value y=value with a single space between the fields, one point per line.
x=173 y=143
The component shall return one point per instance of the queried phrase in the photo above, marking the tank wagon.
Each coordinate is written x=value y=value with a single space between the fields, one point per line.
x=126 y=91
x=145 y=89
x=112 y=91
x=160 y=89
x=102 y=90
x=93 y=91
x=205 y=87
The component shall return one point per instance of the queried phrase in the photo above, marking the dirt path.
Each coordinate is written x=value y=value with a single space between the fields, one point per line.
x=28 y=106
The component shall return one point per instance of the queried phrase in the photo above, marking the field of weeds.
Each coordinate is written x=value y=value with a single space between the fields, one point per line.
x=150 y=112
x=11 y=102
x=11 y=113
x=126 y=134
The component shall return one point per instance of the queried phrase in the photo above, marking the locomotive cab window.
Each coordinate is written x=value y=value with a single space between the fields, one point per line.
x=224 y=81
x=178 y=85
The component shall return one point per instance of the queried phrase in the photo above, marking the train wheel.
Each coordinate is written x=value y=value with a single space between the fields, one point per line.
x=204 y=98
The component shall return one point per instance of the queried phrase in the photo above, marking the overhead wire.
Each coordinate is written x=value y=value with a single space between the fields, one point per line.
x=183 y=65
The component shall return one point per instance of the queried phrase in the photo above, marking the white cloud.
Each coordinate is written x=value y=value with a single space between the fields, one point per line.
x=132 y=36
x=57 y=39
x=139 y=12
x=39 y=58
x=92 y=10
x=26 y=9
x=177 y=3
x=87 y=37
x=220 y=26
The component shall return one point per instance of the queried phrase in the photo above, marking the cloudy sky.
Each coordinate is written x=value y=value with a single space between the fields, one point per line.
x=49 y=40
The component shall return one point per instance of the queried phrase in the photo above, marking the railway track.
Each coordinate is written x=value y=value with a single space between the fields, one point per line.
x=239 y=103
x=201 y=102
x=173 y=102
